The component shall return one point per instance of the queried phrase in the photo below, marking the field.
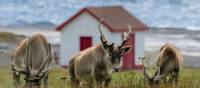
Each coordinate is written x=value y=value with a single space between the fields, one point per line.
x=189 y=78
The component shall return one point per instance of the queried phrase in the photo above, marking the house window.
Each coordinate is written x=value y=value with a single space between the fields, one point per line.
x=85 y=42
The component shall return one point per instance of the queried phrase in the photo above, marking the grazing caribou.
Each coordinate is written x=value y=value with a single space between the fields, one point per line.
x=95 y=64
x=168 y=63
x=32 y=57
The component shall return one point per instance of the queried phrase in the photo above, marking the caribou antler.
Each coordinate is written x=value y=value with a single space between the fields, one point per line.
x=145 y=73
x=103 y=39
x=157 y=72
x=157 y=75
x=144 y=68
x=27 y=68
x=48 y=58
x=126 y=36
x=25 y=71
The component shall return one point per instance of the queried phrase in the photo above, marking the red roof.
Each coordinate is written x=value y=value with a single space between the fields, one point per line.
x=115 y=18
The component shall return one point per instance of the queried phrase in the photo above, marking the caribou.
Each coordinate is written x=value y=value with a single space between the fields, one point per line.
x=168 y=63
x=96 y=64
x=32 y=58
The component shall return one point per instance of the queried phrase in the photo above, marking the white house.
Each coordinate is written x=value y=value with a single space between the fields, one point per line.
x=81 y=31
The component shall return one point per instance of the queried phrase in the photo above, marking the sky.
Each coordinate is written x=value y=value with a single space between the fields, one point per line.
x=154 y=13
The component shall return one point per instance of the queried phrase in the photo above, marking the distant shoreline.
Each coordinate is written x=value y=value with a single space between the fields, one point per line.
x=187 y=41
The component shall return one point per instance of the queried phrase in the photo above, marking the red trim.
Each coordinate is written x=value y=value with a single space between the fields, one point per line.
x=129 y=58
x=60 y=27
x=138 y=66
x=134 y=30
x=85 y=42
x=99 y=19
x=133 y=48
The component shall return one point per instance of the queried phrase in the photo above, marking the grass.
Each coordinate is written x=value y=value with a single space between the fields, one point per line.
x=189 y=78
x=7 y=36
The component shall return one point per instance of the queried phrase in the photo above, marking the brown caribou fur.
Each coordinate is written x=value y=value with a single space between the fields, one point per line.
x=169 y=61
x=32 y=57
x=95 y=64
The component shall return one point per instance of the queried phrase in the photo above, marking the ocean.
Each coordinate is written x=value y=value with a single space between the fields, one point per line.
x=186 y=41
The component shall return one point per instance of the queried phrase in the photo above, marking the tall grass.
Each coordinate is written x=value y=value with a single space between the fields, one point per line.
x=189 y=78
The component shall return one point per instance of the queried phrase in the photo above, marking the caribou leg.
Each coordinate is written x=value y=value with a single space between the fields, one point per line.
x=171 y=78
x=90 y=83
x=46 y=80
x=99 y=84
x=74 y=81
x=164 y=79
x=16 y=78
x=107 y=82
x=174 y=77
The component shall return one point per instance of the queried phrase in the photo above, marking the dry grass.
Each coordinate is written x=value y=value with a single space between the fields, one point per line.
x=7 y=36
x=189 y=78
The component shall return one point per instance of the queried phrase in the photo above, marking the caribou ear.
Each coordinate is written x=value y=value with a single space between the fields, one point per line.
x=125 y=49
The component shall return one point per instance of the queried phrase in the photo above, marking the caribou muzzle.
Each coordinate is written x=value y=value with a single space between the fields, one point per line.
x=116 y=69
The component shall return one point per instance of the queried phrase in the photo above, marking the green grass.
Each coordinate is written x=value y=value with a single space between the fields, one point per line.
x=189 y=78
x=7 y=36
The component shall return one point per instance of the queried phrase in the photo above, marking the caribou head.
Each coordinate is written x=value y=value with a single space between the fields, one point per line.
x=115 y=52
x=156 y=78
x=33 y=77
